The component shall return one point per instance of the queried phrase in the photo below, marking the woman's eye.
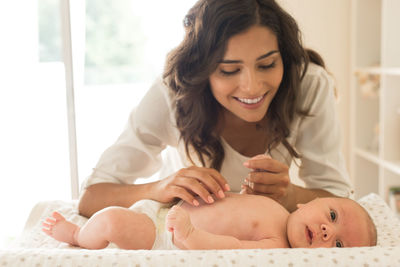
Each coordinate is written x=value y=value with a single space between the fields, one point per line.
x=224 y=72
x=265 y=67
x=339 y=244
x=333 y=215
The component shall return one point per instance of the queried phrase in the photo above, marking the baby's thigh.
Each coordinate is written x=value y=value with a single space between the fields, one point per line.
x=129 y=229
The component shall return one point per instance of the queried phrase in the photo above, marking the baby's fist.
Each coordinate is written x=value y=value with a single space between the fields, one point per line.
x=178 y=222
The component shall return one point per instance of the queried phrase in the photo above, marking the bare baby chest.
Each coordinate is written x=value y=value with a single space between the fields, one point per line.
x=244 y=217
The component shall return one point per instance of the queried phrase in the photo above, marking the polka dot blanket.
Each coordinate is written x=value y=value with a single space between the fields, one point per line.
x=36 y=249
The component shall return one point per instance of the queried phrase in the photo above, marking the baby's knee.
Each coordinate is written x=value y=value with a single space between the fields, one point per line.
x=112 y=219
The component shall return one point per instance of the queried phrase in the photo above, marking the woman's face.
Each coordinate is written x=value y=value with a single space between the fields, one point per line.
x=248 y=77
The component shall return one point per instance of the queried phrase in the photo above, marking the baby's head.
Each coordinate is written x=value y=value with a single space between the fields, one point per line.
x=331 y=222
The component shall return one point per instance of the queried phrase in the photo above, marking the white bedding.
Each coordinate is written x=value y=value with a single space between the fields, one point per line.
x=36 y=249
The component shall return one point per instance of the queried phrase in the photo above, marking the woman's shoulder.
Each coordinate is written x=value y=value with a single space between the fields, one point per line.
x=317 y=84
x=157 y=97
x=160 y=89
x=154 y=114
x=316 y=74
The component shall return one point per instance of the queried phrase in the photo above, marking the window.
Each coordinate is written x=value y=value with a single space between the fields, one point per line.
x=119 y=48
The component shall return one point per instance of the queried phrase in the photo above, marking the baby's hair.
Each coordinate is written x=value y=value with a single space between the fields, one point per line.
x=373 y=233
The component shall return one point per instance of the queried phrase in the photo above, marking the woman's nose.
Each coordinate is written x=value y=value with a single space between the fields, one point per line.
x=249 y=81
x=326 y=232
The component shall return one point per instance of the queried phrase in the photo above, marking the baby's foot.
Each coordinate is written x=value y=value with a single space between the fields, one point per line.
x=61 y=229
x=178 y=222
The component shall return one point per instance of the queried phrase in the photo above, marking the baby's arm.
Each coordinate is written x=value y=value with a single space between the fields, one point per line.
x=178 y=222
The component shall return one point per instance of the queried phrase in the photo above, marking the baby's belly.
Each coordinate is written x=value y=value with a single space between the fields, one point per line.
x=229 y=217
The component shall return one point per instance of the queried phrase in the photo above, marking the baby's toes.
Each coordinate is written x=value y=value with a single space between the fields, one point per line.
x=173 y=209
x=50 y=220
x=57 y=216
x=47 y=228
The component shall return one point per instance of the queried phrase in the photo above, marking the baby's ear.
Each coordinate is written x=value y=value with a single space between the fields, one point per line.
x=299 y=205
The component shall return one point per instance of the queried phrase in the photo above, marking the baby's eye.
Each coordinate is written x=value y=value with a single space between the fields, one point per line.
x=338 y=244
x=333 y=215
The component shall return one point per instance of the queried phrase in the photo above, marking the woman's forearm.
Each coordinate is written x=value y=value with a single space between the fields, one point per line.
x=303 y=195
x=102 y=195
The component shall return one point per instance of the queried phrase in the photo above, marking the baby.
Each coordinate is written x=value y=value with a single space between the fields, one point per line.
x=238 y=221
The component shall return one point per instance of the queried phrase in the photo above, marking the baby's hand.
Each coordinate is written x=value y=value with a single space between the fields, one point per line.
x=178 y=222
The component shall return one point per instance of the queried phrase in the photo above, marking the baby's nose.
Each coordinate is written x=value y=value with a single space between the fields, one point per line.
x=326 y=232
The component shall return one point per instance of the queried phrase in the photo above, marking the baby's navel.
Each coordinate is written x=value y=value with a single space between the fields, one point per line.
x=254 y=224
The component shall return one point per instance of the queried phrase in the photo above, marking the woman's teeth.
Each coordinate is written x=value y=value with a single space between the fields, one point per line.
x=250 y=100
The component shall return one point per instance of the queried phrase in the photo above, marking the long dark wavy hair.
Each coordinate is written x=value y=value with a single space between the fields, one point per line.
x=209 y=25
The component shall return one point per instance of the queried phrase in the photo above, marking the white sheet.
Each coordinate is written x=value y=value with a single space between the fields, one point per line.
x=36 y=249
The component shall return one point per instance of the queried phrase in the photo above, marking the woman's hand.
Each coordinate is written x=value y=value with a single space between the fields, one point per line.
x=187 y=183
x=268 y=177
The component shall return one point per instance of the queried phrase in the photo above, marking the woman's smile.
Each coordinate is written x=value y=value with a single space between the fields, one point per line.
x=251 y=103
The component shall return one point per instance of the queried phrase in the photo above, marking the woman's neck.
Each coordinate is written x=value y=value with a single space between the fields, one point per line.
x=247 y=138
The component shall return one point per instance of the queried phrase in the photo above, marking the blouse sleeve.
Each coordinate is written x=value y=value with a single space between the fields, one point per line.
x=137 y=151
x=319 y=136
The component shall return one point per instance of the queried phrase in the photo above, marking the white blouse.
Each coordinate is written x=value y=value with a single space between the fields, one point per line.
x=151 y=129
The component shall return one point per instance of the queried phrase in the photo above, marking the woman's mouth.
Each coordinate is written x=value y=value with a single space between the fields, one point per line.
x=251 y=102
x=309 y=235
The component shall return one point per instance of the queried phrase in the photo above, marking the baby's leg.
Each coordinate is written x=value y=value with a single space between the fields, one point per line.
x=124 y=227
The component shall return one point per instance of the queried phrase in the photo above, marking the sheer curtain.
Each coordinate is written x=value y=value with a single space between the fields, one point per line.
x=34 y=147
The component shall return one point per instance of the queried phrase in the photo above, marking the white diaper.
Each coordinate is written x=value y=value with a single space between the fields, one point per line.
x=157 y=212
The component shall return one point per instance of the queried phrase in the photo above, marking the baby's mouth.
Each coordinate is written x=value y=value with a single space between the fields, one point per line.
x=309 y=235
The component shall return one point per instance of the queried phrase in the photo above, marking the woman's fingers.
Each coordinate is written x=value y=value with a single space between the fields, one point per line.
x=268 y=191
x=246 y=189
x=193 y=185
x=266 y=164
x=261 y=156
x=268 y=183
x=213 y=174
x=210 y=179
x=182 y=193
x=187 y=183
x=269 y=178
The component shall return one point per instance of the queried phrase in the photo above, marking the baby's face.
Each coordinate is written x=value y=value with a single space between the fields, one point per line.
x=328 y=222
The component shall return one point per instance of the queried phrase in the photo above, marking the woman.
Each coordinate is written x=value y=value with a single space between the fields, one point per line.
x=239 y=100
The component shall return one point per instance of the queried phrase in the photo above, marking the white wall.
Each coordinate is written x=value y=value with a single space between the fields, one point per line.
x=325 y=25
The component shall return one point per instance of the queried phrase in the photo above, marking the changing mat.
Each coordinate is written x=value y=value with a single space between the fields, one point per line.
x=34 y=248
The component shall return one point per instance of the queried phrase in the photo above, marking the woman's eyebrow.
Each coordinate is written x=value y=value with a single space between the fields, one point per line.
x=267 y=54
x=229 y=61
